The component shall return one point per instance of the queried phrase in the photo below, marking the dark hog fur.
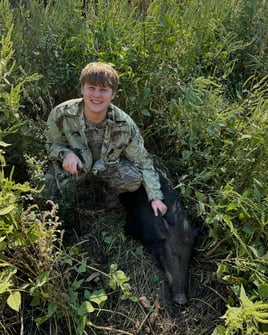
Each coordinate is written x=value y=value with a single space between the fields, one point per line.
x=169 y=238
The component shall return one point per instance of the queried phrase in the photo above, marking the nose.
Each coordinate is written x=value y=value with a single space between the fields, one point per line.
x=96 y=92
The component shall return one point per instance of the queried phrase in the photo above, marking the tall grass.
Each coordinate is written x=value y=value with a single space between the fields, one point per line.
x=194 y=77
x=40 y=281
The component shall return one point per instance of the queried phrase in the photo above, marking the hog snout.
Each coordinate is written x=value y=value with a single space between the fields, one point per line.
x=178 y=293
x=180 y=299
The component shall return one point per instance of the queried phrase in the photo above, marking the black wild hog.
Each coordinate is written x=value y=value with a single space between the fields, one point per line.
x=169 y=238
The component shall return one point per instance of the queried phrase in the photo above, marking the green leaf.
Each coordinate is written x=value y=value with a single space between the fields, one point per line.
x=4 y=286
x=5 y=278
x=41 y=279
x=232 y=206
x=247 y=229
x=120 y=277
x=246 y=302
x=257 y=194
x=113 y=267
x=7 y=209
x=14 y=301
x=73 y=296
x=77 y=284
x=263 y=290
x=85 y=307
x=145 y=112
x=82 y=268
x=40 y=320
x=245 y=136
x=99 y=297
x=81 y=325
x=155 y=278
x=35 y=301
x=3 y=245
x=219 y=330
x=52 y=307
x=108 y=239
x=4 y=144
x=186 y=154
x=139 y=251
x=87 y=294
x=113 y=284
x=201 y=196
x=147 y=91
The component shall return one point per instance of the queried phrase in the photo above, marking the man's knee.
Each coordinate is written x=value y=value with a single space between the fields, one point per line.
x=128 y=187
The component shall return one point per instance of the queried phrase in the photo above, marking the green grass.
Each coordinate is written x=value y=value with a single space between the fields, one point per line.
x=193 y=75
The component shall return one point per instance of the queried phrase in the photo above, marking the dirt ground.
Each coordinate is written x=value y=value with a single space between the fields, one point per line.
x=102 y=238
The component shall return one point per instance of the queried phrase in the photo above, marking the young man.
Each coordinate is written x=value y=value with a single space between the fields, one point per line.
x=94 y=136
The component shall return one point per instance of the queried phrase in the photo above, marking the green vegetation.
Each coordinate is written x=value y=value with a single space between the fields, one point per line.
x=194 y=78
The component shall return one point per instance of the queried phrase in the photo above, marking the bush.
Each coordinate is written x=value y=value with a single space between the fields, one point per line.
x=35 y=269
x=193 y=76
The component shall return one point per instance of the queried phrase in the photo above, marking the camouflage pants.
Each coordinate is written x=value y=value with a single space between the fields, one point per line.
x=121 y=177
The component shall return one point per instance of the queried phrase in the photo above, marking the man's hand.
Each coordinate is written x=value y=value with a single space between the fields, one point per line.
x=71 y=162
x=158 y=204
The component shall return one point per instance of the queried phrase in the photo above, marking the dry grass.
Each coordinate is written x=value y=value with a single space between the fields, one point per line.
x=103 y=239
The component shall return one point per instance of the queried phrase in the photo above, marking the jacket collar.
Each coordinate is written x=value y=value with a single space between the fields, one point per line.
x=75 y=109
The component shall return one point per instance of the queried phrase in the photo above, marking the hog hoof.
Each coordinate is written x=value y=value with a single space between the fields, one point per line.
x=180 y=299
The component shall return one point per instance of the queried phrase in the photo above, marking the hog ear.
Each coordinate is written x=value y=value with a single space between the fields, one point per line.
x=166 y=225
x=171 y=215
x=159 y=212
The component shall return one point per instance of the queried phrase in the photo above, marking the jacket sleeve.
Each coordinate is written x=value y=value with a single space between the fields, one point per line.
x=56 y=142
x=137 y=153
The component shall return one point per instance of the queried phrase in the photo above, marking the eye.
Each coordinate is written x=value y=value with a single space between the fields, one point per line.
x=89 y=87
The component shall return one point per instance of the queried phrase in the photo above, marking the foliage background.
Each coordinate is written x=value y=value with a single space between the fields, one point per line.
x=194 y=78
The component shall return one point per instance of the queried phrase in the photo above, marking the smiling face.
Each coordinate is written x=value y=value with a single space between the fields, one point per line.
x=96 y=101
x=99 y=83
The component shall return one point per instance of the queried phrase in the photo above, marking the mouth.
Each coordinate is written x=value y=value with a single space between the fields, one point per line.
x=96 y=102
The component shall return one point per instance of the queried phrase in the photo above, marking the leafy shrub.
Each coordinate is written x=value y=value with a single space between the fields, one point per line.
x=53 y=45
x=14 y=125
x=193 y=76
x=245 y=319
x=221 y=170
x=35 y=270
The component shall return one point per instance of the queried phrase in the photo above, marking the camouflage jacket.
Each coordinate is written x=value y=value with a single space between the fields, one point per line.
x=66 y=133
